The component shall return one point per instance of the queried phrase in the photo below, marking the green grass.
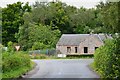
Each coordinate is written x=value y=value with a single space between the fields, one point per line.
x=18 y=72
x=68 y=57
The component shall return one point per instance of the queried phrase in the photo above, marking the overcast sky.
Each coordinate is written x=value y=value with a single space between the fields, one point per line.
x=77 y=3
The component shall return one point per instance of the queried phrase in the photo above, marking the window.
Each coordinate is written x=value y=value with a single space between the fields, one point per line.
x=96 y=48
x=75 y=49
x=68 y=49
x=85 y=49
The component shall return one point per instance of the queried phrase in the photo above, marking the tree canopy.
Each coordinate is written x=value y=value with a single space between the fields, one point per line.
x=44 y=23
x=12 y=19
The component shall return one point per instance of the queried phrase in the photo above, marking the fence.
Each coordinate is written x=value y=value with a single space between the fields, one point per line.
x=46 y=52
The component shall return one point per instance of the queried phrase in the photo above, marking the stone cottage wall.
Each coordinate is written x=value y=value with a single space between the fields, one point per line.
x=91 y=42
x=63 y=49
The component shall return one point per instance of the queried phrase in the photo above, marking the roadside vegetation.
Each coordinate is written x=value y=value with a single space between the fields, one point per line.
x=15 y=63
x=107 y=57
x=107 y=61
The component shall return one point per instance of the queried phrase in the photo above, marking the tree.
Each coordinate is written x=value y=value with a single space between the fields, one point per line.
x=12 y=19
x=109 y=16
x=44 y=35
x=68 y=19
x=31 y=33
x=83 y=20
x=39 y=46
x=52 y=14
x=23 y=34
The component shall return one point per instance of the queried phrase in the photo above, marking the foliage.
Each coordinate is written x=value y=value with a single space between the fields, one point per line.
x=10 y=46
x=39 y=46
x=107 y=58
x=107 y=61
x=45 y=23
x=14 y=62
x=53 y=18
x=1 y=46
x=68 y=19
x=12 y=19
x=39 y=56
x=52 y=14
x=41 y=34
x=109 y=15
x=15 y=73
x=23 y=33
x=0 y=25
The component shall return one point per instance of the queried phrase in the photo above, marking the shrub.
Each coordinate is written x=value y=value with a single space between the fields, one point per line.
x=11 y=62
x=106 y=61
x=10 y=46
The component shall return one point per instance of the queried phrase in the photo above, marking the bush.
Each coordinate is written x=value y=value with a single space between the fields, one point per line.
x=106 y=61
x=10 y=46
x=12 y=62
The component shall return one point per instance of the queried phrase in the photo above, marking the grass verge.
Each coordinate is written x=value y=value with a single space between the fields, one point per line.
x=42 y=56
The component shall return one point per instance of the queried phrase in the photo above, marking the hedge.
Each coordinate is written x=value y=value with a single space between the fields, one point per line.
x=107 y=61
x=81 y=56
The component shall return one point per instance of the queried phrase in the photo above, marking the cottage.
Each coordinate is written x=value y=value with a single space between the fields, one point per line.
x=80 y=43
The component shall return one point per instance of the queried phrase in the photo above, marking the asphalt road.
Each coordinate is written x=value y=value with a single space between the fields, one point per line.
x=66 y=68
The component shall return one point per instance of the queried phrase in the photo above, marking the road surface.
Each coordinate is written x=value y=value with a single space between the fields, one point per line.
x=65 y=68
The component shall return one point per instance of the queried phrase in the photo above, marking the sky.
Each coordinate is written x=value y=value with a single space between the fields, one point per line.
x=77 y=3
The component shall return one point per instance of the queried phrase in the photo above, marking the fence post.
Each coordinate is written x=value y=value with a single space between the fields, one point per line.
x=47 y=51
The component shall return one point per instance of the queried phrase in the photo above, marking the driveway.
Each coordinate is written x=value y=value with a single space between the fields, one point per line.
x=65 y=68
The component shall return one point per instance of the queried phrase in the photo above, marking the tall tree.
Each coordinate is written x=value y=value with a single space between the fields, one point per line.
x=34 y=34
x=23 y=34
x=53 y=14
x=109 y=16
x=12 y=19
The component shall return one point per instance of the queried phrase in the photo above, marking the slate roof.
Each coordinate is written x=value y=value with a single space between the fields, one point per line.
x=76 y=39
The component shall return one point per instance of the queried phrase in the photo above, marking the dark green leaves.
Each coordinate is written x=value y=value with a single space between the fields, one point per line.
x=12 y=19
